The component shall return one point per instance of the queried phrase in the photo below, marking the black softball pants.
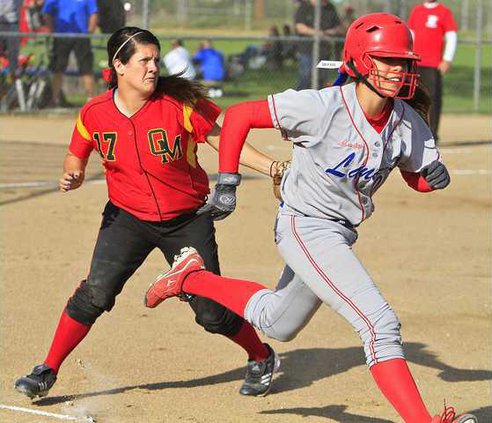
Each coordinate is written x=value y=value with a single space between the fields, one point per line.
x=124 y=242
x=432 y=79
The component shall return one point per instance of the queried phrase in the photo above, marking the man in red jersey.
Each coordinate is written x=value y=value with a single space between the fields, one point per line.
x=146 y=129
x=435 y=38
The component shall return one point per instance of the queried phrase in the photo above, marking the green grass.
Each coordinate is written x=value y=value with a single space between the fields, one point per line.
x=458 y=83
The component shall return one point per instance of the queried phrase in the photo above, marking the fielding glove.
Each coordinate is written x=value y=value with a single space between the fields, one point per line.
x=277 y=170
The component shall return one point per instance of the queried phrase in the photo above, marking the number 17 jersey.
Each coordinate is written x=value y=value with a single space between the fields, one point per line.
x=150 y=160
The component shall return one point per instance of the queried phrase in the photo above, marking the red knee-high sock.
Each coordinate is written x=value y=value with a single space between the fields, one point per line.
x=395 y=381
x=68 y=335
x=231 y=293
x=248 y=339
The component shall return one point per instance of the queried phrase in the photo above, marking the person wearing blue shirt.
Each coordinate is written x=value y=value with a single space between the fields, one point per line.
x=76 y=16
x=211 y=65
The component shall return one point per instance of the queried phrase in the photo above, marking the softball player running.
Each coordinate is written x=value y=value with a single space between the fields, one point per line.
x=146 y=129
x=347 y=139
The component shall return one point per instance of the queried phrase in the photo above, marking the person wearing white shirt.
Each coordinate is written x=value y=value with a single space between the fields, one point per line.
x=178 y=60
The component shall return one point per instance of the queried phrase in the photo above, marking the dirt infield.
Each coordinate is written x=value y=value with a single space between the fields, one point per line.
x=429 y=254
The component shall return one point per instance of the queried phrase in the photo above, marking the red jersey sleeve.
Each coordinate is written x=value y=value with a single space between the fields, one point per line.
x=81 y=142
x=202 y=119
x=449 y=22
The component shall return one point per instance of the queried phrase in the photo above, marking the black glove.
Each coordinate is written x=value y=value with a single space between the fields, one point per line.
x=436 y=175
x=223 y=201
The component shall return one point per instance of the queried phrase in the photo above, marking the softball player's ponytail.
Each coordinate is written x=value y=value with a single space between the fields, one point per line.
x=182 y=89
x=421 y=102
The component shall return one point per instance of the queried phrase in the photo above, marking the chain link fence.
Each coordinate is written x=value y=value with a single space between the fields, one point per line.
x=256 y=59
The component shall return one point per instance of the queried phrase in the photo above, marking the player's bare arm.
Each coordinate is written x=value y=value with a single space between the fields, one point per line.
x=73 y=172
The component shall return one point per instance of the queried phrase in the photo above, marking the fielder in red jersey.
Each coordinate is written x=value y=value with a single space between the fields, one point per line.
x=146 y=129
x=150 y=159
x=435 y=37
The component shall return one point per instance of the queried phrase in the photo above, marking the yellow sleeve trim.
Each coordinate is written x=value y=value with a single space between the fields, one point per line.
x=81 y=128
x=187 y=111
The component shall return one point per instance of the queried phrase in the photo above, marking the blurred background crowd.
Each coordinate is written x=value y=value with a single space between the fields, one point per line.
x=52 y=52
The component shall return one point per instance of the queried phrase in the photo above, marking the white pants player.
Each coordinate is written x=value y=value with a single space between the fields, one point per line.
x=322 y=267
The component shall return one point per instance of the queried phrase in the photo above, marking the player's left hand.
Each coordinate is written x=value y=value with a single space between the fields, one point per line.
x=223 y=200
x=436 y=175
x=444 y=67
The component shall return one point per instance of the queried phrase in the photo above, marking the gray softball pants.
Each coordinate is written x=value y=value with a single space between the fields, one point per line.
x=321 y=267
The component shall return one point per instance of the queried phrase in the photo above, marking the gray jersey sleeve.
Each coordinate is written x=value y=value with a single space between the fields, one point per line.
x=298 y=115
x=419 y=148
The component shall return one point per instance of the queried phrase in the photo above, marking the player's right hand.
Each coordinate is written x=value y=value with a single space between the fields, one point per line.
x=70 y=181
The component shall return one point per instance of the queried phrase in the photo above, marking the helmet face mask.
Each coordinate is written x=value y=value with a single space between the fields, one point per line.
x=380 y=36
x=395 y=84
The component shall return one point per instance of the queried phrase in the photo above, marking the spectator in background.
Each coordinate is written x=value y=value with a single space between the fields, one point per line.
x=348 y=16
x=32 y=17
x=9 y=22
x=211 y=65
x=435 y=38
x=178 y=61
x=290 y=48
x=111 y=15
x=330 y=26
x=66 y=17
x=273 y=49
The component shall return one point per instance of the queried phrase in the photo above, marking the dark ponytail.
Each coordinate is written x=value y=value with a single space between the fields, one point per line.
x=182 y=89
x=421 y=102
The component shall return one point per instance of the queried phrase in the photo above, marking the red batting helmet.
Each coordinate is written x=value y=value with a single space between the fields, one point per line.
x=380 y=35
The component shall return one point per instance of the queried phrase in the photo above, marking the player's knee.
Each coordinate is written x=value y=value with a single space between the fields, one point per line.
x=88 y=302
x=215 y=318
x=281 y=334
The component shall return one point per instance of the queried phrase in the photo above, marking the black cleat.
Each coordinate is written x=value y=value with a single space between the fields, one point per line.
x=38 y=383
x=259 y=374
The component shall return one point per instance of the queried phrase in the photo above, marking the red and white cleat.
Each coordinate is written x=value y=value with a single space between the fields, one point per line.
x=449 y=416
x=170 y=284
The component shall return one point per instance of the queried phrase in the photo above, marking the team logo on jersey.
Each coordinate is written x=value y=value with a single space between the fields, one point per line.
x=432 y=21
x=354 y=145
x=341 y=170
x=160 y=145
x=106 y=144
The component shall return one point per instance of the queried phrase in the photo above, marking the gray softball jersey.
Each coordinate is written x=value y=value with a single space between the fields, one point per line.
x=339 y=159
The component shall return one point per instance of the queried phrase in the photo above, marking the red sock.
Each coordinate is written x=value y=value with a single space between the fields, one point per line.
x=68 y=335
x=231 y=293
x=248 y=339
x=395 y=381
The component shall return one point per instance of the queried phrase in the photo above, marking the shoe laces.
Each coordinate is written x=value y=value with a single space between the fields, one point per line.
x=448 y=414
